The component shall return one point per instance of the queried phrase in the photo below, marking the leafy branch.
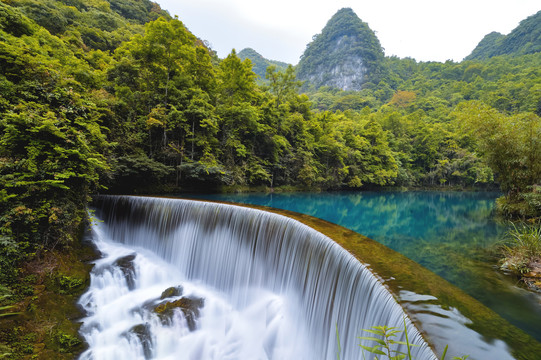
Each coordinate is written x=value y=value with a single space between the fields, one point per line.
x=386 y=344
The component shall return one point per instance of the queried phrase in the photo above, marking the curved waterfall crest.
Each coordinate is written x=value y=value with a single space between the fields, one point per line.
x=314 y=290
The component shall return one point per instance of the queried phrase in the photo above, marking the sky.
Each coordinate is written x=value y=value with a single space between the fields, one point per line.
x=426 y=30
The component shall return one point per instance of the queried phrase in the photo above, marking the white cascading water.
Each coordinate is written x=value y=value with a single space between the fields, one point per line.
x=270 y=287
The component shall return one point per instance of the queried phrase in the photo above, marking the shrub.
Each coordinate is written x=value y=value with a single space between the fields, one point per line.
x=523 y=247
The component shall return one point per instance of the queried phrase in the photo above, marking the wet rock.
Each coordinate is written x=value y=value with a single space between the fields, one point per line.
x=171 y=292
x=150 y=305
x=142 y=331
x=533 y=278
x=189 y=306
x=127 y=267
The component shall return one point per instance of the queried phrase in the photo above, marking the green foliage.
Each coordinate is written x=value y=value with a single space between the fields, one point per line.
x=67 y=342
x=345 y=44
x=282 y=84
x=50 y=136
x=385 y=342
x=525 y=205
x=69 y=284
x=386 y=345
x=510 y=145
x=4 y=314
x=96 y=24
x=141 y=11
x=13 y=22
x=49 y=163
x=10 y=255
x=524 y=39
x=523 y=247
x=5 y=352
x=487 y=47
x=138 y=172
x=177 y=117
x=260 y=64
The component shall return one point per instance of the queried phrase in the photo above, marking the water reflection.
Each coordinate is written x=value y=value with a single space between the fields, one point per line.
x=447 y=232
x=440 y=321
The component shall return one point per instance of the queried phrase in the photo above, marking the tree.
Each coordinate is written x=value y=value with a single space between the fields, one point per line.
x=282 y=85
x=49 y=166
x=511 y=145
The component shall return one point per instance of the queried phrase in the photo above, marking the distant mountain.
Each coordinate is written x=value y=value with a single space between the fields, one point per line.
x=524 y=39
x=346 y=55
x=259 y=63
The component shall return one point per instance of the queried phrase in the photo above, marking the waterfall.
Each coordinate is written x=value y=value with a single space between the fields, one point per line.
x=266 y=287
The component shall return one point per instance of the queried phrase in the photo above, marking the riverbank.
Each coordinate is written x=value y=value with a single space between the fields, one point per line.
x=289 y=188
x=44 y=299
x=522 y=254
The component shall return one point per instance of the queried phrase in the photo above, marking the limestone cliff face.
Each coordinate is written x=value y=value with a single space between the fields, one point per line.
x=346 y=55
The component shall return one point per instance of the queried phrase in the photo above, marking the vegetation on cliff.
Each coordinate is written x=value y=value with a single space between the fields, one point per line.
x=346 y=55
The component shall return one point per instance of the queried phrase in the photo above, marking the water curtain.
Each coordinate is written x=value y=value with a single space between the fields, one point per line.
x=273 y=288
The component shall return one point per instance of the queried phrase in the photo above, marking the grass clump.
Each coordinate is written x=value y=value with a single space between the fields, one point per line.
x=522 y=252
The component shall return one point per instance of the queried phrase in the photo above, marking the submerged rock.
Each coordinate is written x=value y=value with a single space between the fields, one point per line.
x=127 y=267
x=142 y=331
x=188 y=305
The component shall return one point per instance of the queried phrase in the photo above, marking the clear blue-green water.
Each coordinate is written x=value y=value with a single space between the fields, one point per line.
x=450 y=233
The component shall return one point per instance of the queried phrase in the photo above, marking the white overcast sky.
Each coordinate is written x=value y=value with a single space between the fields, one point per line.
x=427 y=30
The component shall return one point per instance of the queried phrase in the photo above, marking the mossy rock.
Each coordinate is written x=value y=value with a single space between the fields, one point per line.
x=172 y=291
x=189 y=306
x=48 y=325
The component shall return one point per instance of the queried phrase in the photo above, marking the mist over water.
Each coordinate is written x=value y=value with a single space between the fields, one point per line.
x=272 y=288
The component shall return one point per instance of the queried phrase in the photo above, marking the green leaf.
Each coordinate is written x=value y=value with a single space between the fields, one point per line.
x=2 y=308
x=338 y=341
x=373 y=350
x=380 y=341
x=397 y=342
x=444 y=352
x=377 y=332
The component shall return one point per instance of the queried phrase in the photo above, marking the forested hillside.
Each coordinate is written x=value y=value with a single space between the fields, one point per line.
x=260 y=64
x=117 y=96
x=524 y=39
x=55 y=142
x=346 y=55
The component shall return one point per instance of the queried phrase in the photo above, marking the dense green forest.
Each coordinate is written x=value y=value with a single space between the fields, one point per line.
x=118 y=96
